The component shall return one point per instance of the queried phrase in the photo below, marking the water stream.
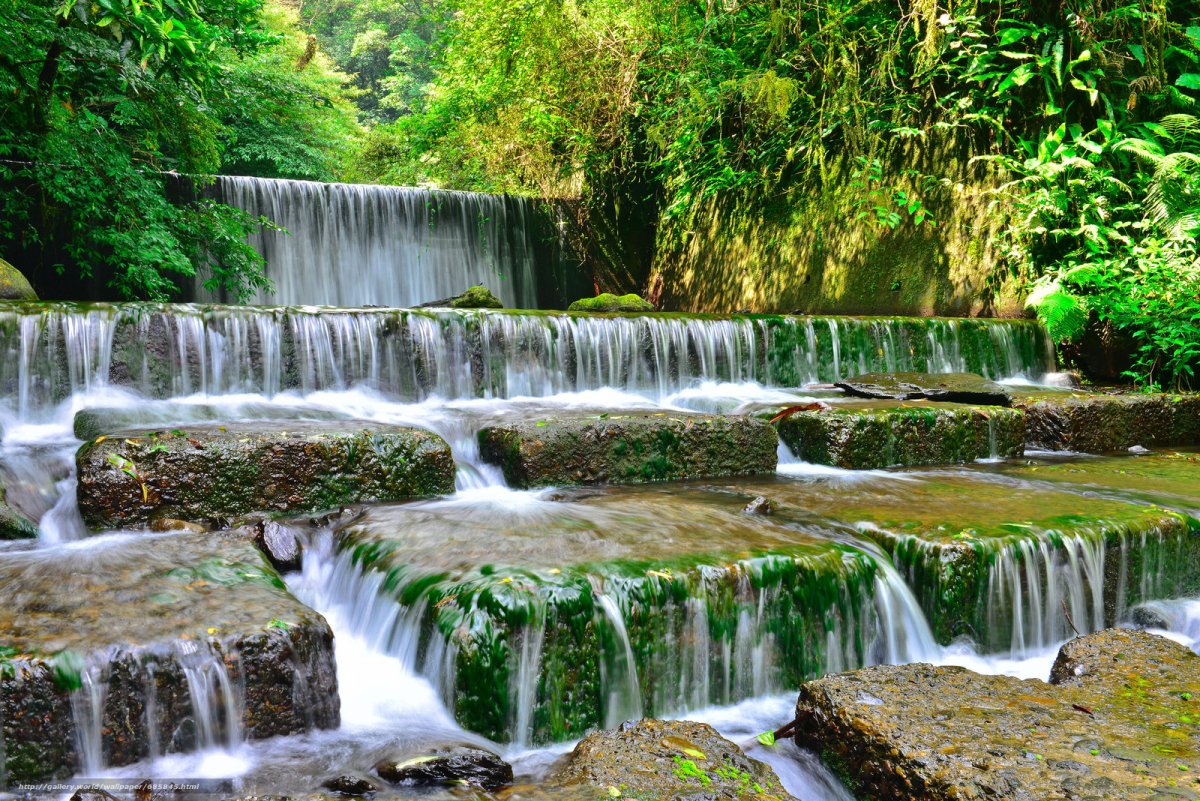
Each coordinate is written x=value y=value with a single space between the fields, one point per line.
x=721 y=653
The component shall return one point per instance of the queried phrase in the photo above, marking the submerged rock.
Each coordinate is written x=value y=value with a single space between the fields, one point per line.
x=353 y=786
x=450 y=765
x=760 y=506
x=1127 y=730
x=667 y=761
x=218 y=472
x=946 y=387
x=476 y=297
x=154 y=621
x=1105 y=423
x=629 y=448
x=863 y=436
x=608 y=302
x=14 y=285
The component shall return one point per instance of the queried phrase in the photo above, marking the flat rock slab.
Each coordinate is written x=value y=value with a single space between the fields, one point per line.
x=201 y=473
x=164 y=415
x=497 y=588
x=1086 y=423
x=147 y=620
x=667 y=761
x=629 y=448
x=878 y=434
x=1126 y=728
x=945 y=387
x=968 y=545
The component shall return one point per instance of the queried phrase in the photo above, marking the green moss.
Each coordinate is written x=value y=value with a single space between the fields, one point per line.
x=14 y=285
x=477 y=297
x=608 y=302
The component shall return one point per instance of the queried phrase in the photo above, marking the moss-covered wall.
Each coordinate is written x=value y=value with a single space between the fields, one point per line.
x=814 y=251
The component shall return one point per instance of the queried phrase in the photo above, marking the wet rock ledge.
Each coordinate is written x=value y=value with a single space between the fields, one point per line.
x=629 y=448
x=1103 y=423
x=872 y=435
x=1119 y=721
x=131 y=478
x=128 y=643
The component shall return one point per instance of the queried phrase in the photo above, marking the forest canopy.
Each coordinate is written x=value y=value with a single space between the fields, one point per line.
x=1079 y=117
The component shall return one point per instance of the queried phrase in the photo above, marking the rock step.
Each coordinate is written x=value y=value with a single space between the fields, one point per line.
x=106 y=647
x=133 y=478
x=1121 y=723
x=1104 y=423
x=870 y=435
x=694 y=586
x=628 y=448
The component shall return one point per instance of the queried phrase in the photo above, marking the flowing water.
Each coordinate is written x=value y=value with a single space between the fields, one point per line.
x=358 y=245
x=717 y=635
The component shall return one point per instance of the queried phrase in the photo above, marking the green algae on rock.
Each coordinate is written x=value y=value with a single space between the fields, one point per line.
x=133 y=478
x=1103 y=423
x=608 y=302
x=629 y=448
x=667 y=761
x=1127 y=728
x=872 y=435
x=972 y=549
x=214 y=606
x=542 y=623
x=944 y=387
x=476 y=297
x=14 y=285
x=13 y=524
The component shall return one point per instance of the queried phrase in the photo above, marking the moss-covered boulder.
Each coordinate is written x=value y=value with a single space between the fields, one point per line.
x=1129 y=731
x=608 y=302
x=150 y=624
x=1103 y=423
x=878 y=434
x=476 y=297
x=945 y=387
x=629 y=448
x=667 y=761
x=14 y=285
x=218 y=472
x=13 y=524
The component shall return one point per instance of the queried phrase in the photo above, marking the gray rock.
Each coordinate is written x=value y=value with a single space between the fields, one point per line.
x=353 y=786
x=947 y=387
x=280 y=543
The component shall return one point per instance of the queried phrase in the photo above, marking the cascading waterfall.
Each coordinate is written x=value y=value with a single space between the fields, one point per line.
x=357 y=245
x=54 y=350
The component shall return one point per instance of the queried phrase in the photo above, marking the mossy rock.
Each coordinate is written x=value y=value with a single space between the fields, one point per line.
x=1105 y=423
x=13 y=524
x=608 y=302
x=477 y=297
x=667 y=761
x=134 y=478
x=629 y=448
x=138 y=615
x=860 y=436
x=1130 y=730
x=14 y=285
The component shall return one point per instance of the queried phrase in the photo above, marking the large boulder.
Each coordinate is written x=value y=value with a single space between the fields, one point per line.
x=14 y=285
x=871 y=435
x=608 y=302
x=940 y=733
x=947 y=387
x=629 y=448
x=667 y=760
x=153 y=623
x=218 y=472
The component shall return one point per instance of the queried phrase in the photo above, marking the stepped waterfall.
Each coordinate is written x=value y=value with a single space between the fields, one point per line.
x=520 y=617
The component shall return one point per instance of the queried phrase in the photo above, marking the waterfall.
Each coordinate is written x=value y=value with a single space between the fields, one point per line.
x=358 y=245
x=53 y=350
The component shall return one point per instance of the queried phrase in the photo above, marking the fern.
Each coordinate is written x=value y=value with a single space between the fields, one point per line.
x=1064 y=314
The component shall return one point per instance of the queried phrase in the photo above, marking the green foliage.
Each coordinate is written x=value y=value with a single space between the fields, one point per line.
x=100 y=101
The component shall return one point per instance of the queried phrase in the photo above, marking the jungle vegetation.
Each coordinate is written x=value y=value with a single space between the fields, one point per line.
x=1081 y=116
